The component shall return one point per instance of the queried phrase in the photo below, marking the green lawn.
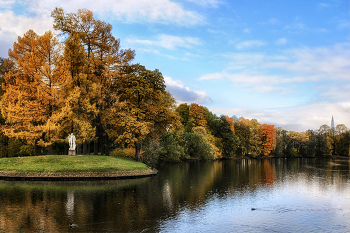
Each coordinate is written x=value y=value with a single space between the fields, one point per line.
x=86 y=165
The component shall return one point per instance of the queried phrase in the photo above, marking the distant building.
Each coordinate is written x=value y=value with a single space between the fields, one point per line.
x=332 y=123
x=333 y=132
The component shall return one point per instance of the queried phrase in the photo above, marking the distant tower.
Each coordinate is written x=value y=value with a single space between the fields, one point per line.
x=332 y=123
x=333 y=132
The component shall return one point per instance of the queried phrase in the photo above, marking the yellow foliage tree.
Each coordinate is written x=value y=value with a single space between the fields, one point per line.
x=101 y=60
x=32 y=103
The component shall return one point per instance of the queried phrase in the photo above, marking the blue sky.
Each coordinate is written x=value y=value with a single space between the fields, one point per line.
x=285 y=63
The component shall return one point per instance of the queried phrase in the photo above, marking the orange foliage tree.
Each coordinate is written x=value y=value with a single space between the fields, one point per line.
x=268 y=138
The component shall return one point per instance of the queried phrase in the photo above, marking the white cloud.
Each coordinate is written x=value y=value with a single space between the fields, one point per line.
x=171 y=42
x=315 y=64
x=137 y=41
x=247 y=30
x=343 y=24
x=317 y=77
x=281 y=41
x=184 y=94
x=297 y=118
x=7 y=3
x=321 y=30
x=37 y=17
x=249 y=44
x=137 y=11
x=272 y=21
x=257 y=83
x=207 y=3
x=168 y=41
x=296 y=28
x=12 y=26
x=324 y=5
x=321 y=62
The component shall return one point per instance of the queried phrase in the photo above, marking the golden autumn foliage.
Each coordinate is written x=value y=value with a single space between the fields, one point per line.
x=197 y=115
x=32 y=103
x=96 y=62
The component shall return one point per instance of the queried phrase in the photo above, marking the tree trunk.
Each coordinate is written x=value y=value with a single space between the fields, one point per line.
x=107 y=145
x=35 y=147
x=49 y=151
x=96 y=147
x=85 y=148
x=101 y=144
x=137 y=151
x=89 y=147
x=78 y=148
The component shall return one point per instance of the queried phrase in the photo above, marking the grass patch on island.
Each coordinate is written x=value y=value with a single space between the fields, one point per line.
x=61 y=165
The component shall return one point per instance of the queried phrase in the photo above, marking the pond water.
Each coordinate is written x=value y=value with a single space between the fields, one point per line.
x=267 y=195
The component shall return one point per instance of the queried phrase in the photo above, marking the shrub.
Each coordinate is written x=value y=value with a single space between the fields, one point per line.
x=120 y=152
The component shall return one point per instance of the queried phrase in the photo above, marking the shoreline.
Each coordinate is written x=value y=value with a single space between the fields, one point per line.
x=74 y=177
x=95 y=176
x=72 y=168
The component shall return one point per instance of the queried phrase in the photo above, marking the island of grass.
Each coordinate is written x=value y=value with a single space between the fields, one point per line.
x=60 y=167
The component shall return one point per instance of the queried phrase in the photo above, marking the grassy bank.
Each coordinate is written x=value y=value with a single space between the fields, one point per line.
x=60 y=165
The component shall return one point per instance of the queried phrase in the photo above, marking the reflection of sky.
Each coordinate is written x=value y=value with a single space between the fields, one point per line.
x=298 y=204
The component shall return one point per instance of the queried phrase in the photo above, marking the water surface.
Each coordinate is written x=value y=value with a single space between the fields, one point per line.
x=268 y=195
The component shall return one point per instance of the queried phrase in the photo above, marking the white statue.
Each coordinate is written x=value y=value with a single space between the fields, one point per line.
x=71 y=140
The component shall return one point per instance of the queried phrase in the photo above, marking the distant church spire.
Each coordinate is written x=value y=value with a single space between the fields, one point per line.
x=332 y=124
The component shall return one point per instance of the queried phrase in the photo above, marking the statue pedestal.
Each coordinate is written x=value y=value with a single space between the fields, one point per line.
x=71 y=152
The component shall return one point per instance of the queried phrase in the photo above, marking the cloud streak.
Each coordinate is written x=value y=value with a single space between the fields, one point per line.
x=184 y=94
x=140 y=11
x=296 y=72
x=207 y=3
x=297 y=118
x=168 y=42
x=249 y=44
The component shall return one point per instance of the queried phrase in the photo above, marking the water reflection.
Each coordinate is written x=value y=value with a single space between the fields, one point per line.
x=70 y=204
x=285 y=194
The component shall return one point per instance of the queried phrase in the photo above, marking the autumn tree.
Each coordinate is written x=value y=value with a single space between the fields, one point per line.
x=103 y=63
x=143 y=107
x=197 y=115
x=80 y=92
x=268 y=138
x=4 y=140
x=32 y=104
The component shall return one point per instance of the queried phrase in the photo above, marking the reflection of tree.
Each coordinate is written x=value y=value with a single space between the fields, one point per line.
x=268 y=173
x=70 y=203
x=28 y=212
x=143 y=204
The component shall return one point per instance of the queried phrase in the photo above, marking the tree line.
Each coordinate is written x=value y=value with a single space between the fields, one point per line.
x=82 y=82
